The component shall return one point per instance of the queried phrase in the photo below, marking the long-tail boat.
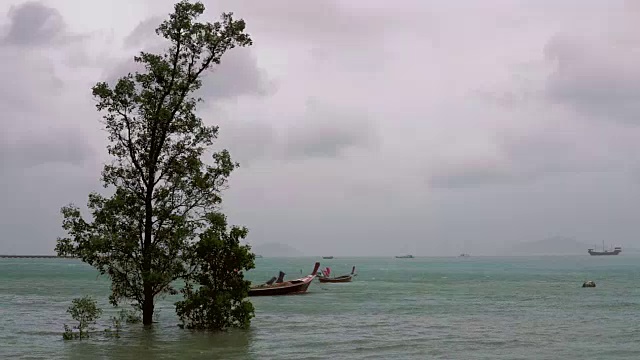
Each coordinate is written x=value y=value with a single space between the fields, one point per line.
x=338 y=279
x=281 y=287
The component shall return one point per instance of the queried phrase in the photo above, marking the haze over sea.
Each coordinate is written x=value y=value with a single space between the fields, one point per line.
x=422 y=308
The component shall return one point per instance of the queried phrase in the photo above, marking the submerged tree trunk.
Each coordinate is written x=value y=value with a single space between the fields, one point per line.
x=147 y=306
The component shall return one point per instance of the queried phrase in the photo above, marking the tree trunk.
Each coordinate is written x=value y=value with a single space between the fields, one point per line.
x=147 y=306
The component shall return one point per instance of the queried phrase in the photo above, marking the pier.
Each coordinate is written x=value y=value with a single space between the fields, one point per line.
x=35 y=257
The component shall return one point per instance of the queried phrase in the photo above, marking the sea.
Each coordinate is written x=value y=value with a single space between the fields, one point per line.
x=421 y=308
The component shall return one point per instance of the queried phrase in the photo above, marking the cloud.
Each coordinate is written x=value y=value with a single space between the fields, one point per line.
x=45 y=149
x=572 y=110
x=317 y=131
x=384 y=120
x=326 y=131
x=323 y=24
x=237 y=75
x=144 y=35
x=596 y=71
x=597 y=77
x=338 y=34
x=31 y=92
x=248 y=140
x=320 y=129
x=34 y=149
x=34 y=24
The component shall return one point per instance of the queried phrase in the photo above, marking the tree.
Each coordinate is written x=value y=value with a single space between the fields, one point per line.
x=143 y=235
x=85 y=311
x=219 y=301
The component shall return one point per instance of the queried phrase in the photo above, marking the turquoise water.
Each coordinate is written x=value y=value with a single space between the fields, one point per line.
x=423 y=308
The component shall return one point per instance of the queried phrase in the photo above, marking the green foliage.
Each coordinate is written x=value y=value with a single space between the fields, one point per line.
x=130 y=316
x=68 y=333
x=117 y=322
x=219 y=302
x=143 y=235
x=115 y=328
x=85 y=311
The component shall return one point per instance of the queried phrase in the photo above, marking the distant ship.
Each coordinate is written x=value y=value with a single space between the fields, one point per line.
x=616 y=250
x=258 y=256
x=404 y=257
x=464 y=255
x=327 y=257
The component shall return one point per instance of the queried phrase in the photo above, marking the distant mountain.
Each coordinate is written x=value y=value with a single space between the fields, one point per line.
x=551 y=246
x=275 y=250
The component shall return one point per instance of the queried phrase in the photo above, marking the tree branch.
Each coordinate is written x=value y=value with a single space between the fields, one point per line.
x=129 y=143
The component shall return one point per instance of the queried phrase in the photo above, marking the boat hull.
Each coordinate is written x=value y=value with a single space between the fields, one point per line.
x=297 y=286
x=341 y=279
x=338 y=279
x=604 y=253
x=291 y=289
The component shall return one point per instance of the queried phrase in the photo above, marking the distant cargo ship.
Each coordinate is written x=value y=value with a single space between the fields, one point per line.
x=616 y=250
x=404 y=257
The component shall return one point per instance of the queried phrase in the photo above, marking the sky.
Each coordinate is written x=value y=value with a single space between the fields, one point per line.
x=362 y=127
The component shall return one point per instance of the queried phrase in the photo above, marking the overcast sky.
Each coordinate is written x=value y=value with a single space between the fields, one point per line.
x=363 y=127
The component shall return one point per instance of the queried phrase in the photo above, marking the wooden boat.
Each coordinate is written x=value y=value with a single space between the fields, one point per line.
x=338 y=279
x=281 y=287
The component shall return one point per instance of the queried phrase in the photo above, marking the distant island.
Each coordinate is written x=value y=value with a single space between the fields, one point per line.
x=275 y=250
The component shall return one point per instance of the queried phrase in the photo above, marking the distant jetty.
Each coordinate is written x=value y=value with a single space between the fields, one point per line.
x=36 y=257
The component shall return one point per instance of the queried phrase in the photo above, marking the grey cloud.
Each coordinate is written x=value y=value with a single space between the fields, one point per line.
x=596 y=77
x=530 y=155
x=237 y=75
x=576 y=121
x=34 y=149
x=323 y=22
x=528 y=176
x=552 y=152
x=26 y=78
x=324 y=131
x=143 y=34
x=247 y=141
x=471 y=174
x=352 y=39
x=34 y=24
x=42 y=144
x=321 y=131
x=30 y=91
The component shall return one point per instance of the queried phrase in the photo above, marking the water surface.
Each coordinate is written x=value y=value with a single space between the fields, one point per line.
x=436 y=308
